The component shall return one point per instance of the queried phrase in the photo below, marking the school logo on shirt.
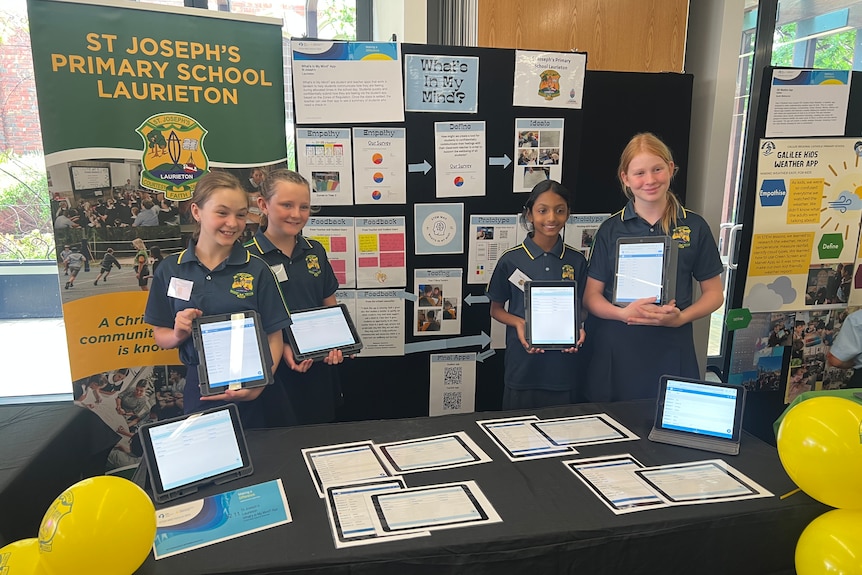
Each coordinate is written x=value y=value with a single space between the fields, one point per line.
x=313 y=265
x=173 y=154
x=568 y=272
x=243 y=285
x=682 y=234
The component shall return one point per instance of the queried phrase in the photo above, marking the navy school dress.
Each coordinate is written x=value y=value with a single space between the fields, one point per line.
x=242 y=282
x=550 y=378
x=306 y=279
x=625 y=362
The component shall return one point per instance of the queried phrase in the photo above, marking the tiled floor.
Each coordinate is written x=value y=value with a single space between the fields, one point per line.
x=35 y=361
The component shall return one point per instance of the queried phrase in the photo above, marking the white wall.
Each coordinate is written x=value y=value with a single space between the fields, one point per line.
x=408 y=24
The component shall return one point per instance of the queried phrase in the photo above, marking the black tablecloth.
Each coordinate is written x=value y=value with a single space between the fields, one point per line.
x=551 y=522
x=43 y=450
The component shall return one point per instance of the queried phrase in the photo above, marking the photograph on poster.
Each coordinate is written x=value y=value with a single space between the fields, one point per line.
x=758 y=351
x=829 y=283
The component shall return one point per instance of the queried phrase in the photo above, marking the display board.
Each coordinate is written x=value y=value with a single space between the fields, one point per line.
x=490 y=131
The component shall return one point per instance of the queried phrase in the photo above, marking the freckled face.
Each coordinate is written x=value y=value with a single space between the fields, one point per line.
x=648 y=176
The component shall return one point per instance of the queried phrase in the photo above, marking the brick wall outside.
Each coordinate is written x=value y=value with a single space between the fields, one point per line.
x=20 y=130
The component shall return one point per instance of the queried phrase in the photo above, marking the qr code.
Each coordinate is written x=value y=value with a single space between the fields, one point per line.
x=452 y=375
x=451 y=400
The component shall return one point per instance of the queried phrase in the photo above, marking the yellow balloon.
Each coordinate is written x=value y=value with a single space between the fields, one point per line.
x=21 y=558
x=102 y=525
x=820 y=447
x=832 y=543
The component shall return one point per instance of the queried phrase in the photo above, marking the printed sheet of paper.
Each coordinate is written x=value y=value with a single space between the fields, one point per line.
x=348 y=298
x=379 y=319
x=324 y=158
x=437 y=452
x=338 y=238
x=489 y=236
x=453 y=383
x=696 y=482
x=439 y=229
x=350 y=514
x=613 y=481
x=581 y=231
x=460 y=159
x=432 y=507
x=381 y=252
x=806 y=224
x=341 y=82
x=538 y=152
x=549 y=79
x=343 y=463
x=441 y=83
x=191 y=525
x=380 y=165
x=439 y=302
x=584 y=430
x=807 y=103
x=519 y=440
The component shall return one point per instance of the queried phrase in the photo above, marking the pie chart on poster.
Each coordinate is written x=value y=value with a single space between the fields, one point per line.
x=439 y=228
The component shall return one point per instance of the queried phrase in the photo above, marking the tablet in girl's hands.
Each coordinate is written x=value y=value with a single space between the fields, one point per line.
x=313 y=333
x=552 y=314
x=233 y=352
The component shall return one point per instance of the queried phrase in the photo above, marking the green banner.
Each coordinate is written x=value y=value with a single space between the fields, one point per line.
x=103 y=70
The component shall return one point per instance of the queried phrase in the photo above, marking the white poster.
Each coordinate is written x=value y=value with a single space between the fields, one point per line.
x=324 y=158
x=439 y=304
x=337 y=236
x=348 y=298
x=538 y=152
x=490 y=236
x=460 y=158
x=549 y=79
x=341 y=82
x=379 y=163
x=806 y=224
x=581 y=231
x=379 y=319
x=439 y=229
x=807 y=103
x=381 y=252
x=453 y=383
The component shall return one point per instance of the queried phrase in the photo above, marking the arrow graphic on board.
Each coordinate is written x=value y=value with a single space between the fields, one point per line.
x=483 y=355
x=436 y=344
x=471 y=299
x=500 y=161
x=404 y=294
x=423 y=167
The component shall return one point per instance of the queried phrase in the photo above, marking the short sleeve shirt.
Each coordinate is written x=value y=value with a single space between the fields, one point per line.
x=698 y=255
x=243 y=282
x=552 y=370
x=309 y=275
x=848 y=342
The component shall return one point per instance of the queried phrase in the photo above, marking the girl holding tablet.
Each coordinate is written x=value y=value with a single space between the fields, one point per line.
x=631 y=347
x=216 y=275
x=307 y=281
x=535 y=377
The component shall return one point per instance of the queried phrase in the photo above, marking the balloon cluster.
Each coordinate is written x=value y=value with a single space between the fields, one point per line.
x=820 y=446
x=94 y=510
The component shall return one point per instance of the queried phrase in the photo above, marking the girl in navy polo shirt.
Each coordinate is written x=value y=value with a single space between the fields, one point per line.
x=216 y=275
x=631 y=347
x=307 y=281
x=535 y=377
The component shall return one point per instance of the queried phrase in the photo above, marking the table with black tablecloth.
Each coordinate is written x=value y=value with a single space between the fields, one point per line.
x=45 y=448
x=551 y=522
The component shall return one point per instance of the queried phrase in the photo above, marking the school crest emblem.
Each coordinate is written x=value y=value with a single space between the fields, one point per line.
x=243 y=285
x=682 y=234
x=174 y=158
x=549 y=86
x=568 y=272
x=313 y=265
x=61 y=507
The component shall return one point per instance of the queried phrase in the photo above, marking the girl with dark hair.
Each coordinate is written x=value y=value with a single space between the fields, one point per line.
x=535 y=377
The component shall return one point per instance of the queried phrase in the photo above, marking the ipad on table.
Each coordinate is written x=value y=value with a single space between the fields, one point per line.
x=645 y=267
x=314 y=332
x=700 y=414
x=552 y=314
x=183 y=453
x=233 y=352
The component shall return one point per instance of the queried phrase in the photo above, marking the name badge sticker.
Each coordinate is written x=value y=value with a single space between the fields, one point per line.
x=518 y=279
x=280 y=272
x=180 y=288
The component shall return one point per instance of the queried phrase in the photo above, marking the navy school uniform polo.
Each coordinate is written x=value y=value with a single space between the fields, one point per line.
x=552 y=370
x=242 y=282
